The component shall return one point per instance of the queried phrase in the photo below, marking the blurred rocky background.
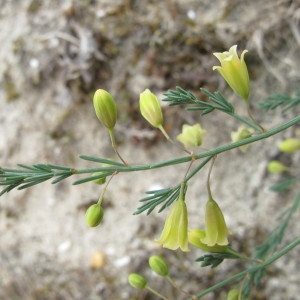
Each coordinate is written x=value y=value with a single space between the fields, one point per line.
x=53 y=55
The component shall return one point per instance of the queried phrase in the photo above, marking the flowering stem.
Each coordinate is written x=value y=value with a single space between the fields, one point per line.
x=177 y=287
x=253 y=124
x=208 y=177
x=161 y=128
x=210 y=153
x=252 y=118
x=105 y=187
x=155 y=292
x=114 y=145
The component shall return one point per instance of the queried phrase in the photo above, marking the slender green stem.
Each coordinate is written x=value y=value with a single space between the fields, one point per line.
x=105 y=188
x=240 y=275
x=218 y=150
x=253 y=124
x=155 y=292
x=114 y=145
x=161 y=128
x=208 y=177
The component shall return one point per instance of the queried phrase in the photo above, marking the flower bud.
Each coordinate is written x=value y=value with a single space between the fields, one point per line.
x=99 y=180
x=276 y=166
x=290 y=145
x=150 y=108
x=94 y=215
x=233 y=295
x=234 y=71
x=137 y=281
x=191 y=135
x=158 y=265
x=105 y=108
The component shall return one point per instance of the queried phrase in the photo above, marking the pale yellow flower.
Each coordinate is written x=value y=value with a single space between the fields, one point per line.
x=175 y=232
x=234 y=71
x=216 y=231
x=191 y=135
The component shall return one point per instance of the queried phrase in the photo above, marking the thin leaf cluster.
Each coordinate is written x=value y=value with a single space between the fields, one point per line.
x=157 y=197
x=181 y=96
x=215 y=259
x=28 y=176
x=287 y=102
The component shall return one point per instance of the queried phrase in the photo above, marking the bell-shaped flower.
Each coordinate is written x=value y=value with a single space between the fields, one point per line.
x=241 y=134
x=196 y=235
x=234 y=71
x=191 y=135
x=105 y=108
x=216 y=231
x=175 y=232
x=150 y=108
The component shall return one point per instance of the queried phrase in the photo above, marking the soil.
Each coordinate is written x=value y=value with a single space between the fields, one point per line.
x=54 y=55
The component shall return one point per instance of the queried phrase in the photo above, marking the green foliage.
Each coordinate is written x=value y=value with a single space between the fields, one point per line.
x=181 y=96
x=287 y=102
x=214 y=259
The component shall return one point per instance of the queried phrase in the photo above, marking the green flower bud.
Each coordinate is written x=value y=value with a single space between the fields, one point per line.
x=234 y=71
x=105 y=108
x=276 y=166
x=290 y=145
x=191 y=135
x=137 y=281
x=99 y=180
x=94 y=215
x=233 y=295
x=158 y=265
x=150 y=108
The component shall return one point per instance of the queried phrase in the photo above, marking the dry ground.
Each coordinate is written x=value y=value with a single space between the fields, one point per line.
x=53 y=55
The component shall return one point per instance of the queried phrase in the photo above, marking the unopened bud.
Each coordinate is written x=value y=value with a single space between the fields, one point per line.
x=105 y=108
x=276 y=166
x=233 y=295
x=158 y=265
x=137 y=281
x=289 y=145
x=94 y=215
x=150 y=108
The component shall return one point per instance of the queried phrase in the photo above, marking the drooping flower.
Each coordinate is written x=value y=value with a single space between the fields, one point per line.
x=150 y=108
x=191 y=135
x=196 y=235
x=216 y=231
x=234 y=71
x=175 y=232
x=105 y=108
x=241 y=134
